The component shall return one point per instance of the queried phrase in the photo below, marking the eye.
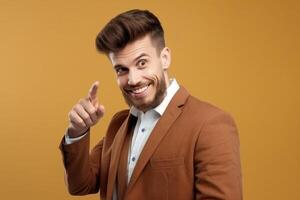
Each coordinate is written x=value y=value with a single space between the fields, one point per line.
x=142 y=63
x=121 y=70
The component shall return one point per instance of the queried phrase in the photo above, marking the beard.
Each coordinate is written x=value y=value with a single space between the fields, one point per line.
x=160 y=92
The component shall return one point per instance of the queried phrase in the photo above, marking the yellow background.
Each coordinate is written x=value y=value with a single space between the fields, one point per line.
x=240 y=55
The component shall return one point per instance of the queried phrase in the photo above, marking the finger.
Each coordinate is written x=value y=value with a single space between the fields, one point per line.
x=93 y=91
x=75 y=120
x=83 y=115
x=90 y=109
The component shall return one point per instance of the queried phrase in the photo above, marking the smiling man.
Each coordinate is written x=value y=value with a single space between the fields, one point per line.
x=167 y=145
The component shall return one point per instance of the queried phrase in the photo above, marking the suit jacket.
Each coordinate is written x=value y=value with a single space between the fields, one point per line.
x=192 y=153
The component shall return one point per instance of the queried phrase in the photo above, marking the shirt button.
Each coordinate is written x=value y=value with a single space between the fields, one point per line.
x=143 y=129
x=133 y=159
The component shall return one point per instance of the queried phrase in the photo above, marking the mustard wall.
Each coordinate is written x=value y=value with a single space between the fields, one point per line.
x=240 y=55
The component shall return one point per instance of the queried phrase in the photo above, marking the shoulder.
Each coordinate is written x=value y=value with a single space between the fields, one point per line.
x=211 y=123
x=196 y=107
x=200 y=110
x=120 y=116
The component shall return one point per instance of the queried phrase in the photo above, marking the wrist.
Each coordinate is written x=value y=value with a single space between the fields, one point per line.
x=72 y=133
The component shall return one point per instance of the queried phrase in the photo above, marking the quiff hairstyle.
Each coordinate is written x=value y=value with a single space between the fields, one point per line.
x=128 y=27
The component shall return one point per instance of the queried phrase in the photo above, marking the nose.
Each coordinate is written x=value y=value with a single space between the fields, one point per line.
x=133 y=77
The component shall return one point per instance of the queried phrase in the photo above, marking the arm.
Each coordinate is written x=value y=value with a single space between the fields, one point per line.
x=81 y=167
x=217 y=160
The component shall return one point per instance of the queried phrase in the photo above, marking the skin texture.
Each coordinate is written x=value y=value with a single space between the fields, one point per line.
x=140 y=65
x=141 y=71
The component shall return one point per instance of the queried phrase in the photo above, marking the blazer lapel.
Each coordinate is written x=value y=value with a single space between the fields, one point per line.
x=115 y=156
x=168 y=118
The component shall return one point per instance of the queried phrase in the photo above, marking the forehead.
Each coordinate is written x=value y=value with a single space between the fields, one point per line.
x=133 y=50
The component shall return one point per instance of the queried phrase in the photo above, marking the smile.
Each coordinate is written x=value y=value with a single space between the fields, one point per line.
x=138 y=92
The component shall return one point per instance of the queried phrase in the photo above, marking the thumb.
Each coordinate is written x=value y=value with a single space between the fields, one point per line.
x=100 y=110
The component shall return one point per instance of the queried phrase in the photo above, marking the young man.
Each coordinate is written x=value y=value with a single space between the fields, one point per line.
x=168 y=145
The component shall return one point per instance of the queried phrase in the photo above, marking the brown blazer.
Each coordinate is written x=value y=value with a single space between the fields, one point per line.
x=192 y=153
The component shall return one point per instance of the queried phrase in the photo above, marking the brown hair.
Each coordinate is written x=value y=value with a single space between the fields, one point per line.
x=128 y=27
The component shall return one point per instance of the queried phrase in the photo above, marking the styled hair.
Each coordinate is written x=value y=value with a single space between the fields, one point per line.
x=128 y=27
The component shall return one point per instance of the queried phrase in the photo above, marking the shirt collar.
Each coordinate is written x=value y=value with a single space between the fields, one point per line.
x=160 y=109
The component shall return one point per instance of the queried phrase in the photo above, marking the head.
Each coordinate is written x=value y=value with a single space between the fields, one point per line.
x=134 y=42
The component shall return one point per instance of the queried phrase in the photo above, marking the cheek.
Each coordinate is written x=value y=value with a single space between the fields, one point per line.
x=155 y=76
x=121 y=81
x=152 y=74
x=150 y=77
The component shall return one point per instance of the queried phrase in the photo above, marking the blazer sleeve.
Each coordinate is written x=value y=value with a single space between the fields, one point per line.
x=217 y=160
x=82 y=166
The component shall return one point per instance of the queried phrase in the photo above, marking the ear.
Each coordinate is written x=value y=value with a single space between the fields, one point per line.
x=165 y=57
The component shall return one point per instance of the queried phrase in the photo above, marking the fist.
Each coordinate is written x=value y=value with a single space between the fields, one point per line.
x=86 y=113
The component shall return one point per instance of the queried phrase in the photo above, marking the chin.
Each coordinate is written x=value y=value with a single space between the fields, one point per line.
x=153 y=98
x=144 y=106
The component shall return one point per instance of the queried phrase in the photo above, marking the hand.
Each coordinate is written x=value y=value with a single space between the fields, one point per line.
x=85 y=113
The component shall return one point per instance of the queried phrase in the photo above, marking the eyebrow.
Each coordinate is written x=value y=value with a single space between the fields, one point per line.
x=118 y=66
x=134 y=60
x=143 y=54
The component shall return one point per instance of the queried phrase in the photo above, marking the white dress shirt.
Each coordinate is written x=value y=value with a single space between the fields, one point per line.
x=144 y=126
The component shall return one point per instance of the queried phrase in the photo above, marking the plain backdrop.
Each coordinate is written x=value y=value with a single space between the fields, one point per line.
x=242 y=56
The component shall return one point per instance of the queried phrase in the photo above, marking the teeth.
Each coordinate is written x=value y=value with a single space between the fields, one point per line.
x=140 y=90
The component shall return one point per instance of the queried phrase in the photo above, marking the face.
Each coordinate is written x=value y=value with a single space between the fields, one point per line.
x=142 y=73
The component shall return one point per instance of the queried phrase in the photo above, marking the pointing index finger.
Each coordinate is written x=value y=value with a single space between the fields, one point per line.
x=93 y=91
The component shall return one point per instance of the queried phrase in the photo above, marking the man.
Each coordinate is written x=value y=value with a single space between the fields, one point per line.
x=168 y=145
